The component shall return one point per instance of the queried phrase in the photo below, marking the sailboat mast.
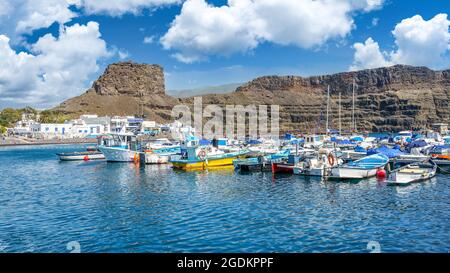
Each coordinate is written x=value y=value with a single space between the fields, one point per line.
x=353 y=107
x=340 y=124
x=328 y=108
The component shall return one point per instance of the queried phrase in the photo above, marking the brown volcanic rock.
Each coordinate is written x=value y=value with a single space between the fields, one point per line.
x=125 y=88
x=387 y=99
x=130 y=79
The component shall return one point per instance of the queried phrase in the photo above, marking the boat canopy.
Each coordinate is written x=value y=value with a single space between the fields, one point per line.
x=370 y=162
x=360 y=149
x=357 y=138
x=297 y=141
x=384 y=150
x=254 y=142
x=343 y=142
x=204 y=142
x=417 y=144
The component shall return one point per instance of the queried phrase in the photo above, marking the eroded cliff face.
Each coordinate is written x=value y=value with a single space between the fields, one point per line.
x=386 y=99
x=130 y=79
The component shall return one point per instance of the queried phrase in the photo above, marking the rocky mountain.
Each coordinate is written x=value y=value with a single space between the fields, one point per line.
x=386 y=99
x=216 y=89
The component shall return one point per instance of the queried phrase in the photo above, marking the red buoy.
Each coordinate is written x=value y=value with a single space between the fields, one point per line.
x=86 y=158
x=381 y=174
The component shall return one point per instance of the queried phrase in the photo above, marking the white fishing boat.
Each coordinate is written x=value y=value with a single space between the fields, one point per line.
x=162 y=143
x=362 y=168
x=121 y=147
x=317 y=166
x=412 y=173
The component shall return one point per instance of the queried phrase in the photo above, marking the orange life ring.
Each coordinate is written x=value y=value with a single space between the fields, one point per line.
x=331 y=159
x=202 y=155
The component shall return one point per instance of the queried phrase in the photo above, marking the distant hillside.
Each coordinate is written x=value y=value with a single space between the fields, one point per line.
x=218 y=89
x=387 y=99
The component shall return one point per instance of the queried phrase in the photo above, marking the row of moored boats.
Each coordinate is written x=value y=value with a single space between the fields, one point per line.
x=403 y=159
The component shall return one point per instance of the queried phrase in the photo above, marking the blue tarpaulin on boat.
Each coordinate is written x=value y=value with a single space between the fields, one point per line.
x=254 y=142
x=297 y=141
x=417 y=144
x=360 y=149
x=204 y=142
x=343 y=142
x=447 y=140
x=391 y=153
x=357 y=138
x=288 y=136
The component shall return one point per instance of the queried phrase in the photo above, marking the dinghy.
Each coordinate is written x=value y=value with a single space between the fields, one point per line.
x=412 y=173
x=78 y=156
x=362 y=168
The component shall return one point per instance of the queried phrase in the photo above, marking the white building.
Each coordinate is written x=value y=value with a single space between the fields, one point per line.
x=52 y=130
x=119 y=124
x=23 y=126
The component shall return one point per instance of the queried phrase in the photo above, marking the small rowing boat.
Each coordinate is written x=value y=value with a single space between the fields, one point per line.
x=77 y=156
x=412 y=173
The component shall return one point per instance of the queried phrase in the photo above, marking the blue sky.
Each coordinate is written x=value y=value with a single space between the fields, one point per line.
x=264 y=49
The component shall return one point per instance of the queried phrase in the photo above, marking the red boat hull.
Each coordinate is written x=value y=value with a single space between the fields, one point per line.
x=282 y=168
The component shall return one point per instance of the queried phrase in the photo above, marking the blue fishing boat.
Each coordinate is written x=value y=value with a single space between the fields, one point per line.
x=260 y=163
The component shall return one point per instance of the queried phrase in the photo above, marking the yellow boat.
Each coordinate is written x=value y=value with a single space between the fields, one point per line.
x=199 y=159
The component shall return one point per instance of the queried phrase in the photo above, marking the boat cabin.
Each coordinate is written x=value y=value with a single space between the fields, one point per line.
x=124 y=141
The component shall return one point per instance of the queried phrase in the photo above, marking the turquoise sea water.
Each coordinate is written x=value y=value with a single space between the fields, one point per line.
x=121 y=207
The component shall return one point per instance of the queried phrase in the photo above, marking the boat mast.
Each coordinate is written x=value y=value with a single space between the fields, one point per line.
x=328 y=107
x=353 y=108
x=340 y=124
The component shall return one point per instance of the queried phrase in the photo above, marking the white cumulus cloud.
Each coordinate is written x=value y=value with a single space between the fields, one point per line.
x=419 y=42
x=120 y=7
x=422 y=42
x=368 y=55
x=24 y=16
x=202 y=29
x=55 y=68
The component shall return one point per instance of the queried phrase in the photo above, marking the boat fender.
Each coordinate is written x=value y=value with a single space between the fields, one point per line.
x=136 y=158
x=331 y=159
x=86 y=158
x=381 y=173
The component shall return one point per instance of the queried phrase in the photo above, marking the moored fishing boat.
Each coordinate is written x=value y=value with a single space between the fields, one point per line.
x=160 y=156
x=120 y=148
x=287 y=166
x=362 y=168
x=317 y=166
x=441 y=156
x=260 y=163
x=197 y=157
x=412 y=173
